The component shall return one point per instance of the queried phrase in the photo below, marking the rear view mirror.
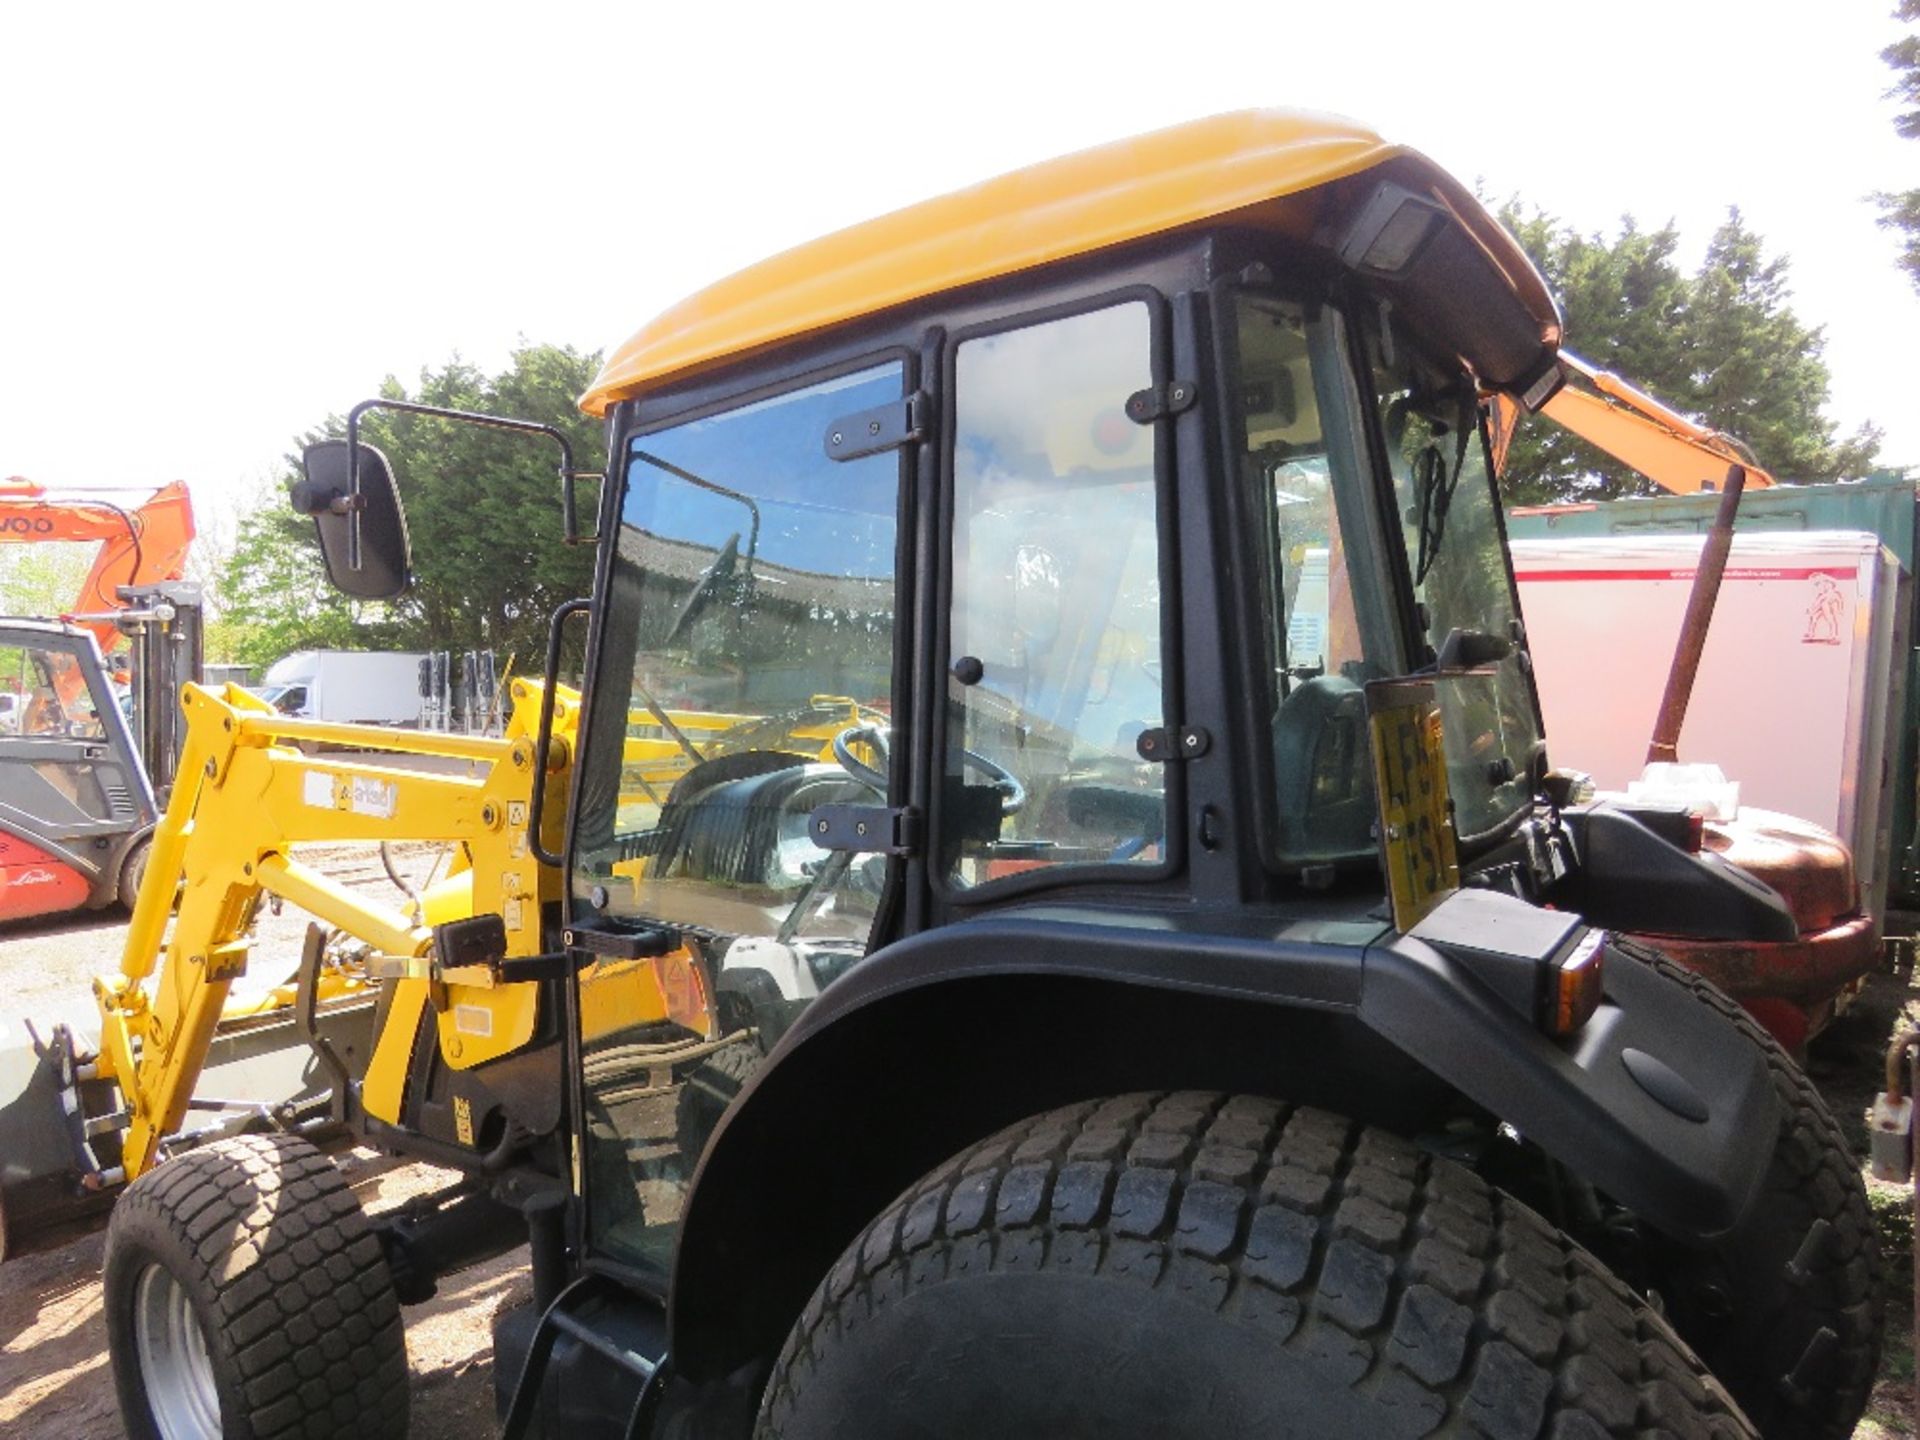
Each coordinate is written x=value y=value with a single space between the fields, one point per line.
x=385 y=559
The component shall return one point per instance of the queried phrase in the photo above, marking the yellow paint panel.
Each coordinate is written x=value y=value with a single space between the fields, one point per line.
x=1262 y=165
x=384 y=1086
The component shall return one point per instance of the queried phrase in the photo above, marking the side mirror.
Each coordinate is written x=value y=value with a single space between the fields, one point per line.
x=1469 y=650
x=385 y=558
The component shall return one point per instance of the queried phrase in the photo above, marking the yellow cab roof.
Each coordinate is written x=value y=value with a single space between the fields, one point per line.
x=1265 y=162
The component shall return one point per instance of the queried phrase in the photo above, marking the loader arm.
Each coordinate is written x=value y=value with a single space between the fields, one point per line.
x=1634 y=428
x=244 y=799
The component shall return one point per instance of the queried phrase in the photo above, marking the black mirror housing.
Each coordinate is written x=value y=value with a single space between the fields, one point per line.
x=1465 y=651
x=386 y=561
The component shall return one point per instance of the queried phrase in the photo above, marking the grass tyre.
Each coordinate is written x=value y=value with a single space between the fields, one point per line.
x=1786 y=1309
x=1189 y=1265
x=247 y=1298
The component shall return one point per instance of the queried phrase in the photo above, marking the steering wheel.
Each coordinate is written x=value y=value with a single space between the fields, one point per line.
x=1013 y=794
x=877 y=739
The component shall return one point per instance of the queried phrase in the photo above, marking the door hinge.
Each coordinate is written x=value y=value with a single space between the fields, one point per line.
x=1158 y=401
x=1163 y=746
x=865 y=829
x=884 y=427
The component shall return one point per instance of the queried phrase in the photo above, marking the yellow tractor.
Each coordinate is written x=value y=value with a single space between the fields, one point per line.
x=1064 y=922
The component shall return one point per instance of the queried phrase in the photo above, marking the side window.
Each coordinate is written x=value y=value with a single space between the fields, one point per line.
x=51 y=695
x=1056 y=620
x=745 y=681
x=1323 y=620
x=52 y=765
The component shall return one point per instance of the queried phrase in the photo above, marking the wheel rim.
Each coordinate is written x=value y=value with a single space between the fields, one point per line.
x=174 y=1367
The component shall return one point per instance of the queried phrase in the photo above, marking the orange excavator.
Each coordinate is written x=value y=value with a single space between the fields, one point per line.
x=77 y=806
x=143 y=545
x=1674 y=452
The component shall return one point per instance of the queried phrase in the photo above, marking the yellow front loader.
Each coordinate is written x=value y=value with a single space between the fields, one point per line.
x=374 y=1028
x=401 y=1025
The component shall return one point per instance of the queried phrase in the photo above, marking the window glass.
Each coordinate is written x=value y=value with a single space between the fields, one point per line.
x=1430 y=422
x=747 y=664
x=1326 y=627
x=52 y=700
x=55 y=764
x=1055 y=621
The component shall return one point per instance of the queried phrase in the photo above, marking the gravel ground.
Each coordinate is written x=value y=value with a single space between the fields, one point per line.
x=55 y=1379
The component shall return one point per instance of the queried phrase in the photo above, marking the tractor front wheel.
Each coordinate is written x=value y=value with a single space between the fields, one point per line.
x=247 y=1298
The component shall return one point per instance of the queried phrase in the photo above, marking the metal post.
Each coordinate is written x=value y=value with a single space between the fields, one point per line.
x=1693 y=626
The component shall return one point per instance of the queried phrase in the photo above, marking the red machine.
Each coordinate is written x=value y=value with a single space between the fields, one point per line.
x=1791 y=987
x=76 y=801
x=142 y=545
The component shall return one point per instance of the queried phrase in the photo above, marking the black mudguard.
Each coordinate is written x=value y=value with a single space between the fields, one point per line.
x=836 y=1122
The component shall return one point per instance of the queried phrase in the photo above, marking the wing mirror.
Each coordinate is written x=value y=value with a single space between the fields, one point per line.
x=1465 y=651
x=386 y=564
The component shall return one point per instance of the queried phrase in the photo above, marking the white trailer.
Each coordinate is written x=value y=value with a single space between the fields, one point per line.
x=348 y=686
x=1793 y=695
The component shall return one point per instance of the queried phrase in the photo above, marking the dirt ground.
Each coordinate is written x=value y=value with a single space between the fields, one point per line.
x=55 y=1378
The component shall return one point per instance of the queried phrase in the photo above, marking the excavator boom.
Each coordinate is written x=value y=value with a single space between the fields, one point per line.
x=138 y=546
x=1637 y=430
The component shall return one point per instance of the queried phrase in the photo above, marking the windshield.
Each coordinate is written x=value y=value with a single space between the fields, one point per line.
x=1435 y=447
x=1325 y=566
x=745 y=681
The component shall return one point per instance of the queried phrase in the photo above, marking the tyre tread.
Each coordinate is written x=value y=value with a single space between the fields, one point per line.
x=297 y=1280
x=1444 y=1302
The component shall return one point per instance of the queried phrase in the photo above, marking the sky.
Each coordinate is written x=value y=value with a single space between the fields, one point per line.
x=220 y=223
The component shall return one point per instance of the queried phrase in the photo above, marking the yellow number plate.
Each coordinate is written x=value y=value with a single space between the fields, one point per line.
x=1416 y=813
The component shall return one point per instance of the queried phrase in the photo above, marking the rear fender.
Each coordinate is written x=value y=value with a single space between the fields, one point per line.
x=935 y=1042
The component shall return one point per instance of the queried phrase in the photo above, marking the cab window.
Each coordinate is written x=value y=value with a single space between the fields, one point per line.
x=1055 y=619
x=1326 y=623
x=745 y=681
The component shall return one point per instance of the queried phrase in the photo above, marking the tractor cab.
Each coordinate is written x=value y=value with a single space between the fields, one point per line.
x=1060 y=805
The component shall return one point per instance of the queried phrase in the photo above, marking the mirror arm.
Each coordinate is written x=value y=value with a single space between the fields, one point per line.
x=569 y=512
x=543 y=744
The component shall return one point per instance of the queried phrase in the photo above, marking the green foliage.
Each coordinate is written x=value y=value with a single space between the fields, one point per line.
x=43 y=578
x=1721 y=345
x=1900 y=210
x=483 y=510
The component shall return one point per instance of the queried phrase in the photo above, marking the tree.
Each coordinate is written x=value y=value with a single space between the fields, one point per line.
x=1722 y=345
x=483 y=512
x=1900 y=211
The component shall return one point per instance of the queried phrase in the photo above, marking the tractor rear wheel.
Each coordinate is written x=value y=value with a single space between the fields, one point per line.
x=1193 y=1265
x=248 y=1298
